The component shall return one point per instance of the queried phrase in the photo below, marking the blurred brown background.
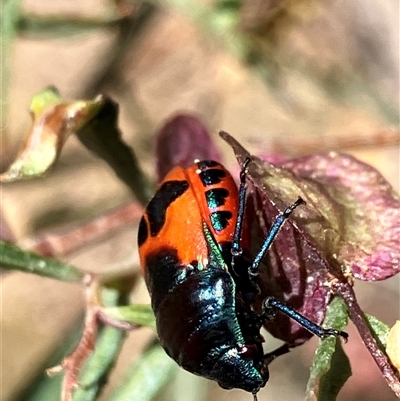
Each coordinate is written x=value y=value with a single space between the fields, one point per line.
x=281 y=76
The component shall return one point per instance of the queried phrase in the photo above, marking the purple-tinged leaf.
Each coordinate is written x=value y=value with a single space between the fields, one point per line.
x=368 y=212
x=295 y=269
x=292 y=271
x=352 y=213
x=330 y=229
x=180 y=141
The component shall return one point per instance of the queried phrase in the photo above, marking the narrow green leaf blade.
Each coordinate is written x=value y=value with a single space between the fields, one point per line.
x=43 y=26
x=146 y=377
x=14 y=258
x=331 y=367
x=137 y=314
x=97 y=368
x=95 y=371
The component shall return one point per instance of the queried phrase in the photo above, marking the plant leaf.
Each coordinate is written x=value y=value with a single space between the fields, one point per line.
x=56 y=25
x=102 y=136
x=318 y=242
x=367 y=213
x=379 y=329
x=318 y=236
x=331 y=367
x=352 y=212
x=14 y=258
x=53 y=120
x=146 y=377
x=93 y=375
x=99 y=364
x=96 y=124
x=181 y=140
x=137 y=314
x=294 y=270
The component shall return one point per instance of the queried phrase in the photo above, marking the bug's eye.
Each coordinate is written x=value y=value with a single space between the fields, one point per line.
x=249 y=352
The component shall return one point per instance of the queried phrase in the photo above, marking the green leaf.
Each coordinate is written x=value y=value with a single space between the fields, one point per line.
x=61 y=25
x=137 y=314
x=44 y=99
x=233 y=5
x=331 y=367
x=14 y=258
x=146 y=377
x=98 y=366
x=379 y=330
x=53 y=121
x=96 y=124
x=96 y=369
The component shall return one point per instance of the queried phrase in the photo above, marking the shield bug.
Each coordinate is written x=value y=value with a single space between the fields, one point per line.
x=193 y=252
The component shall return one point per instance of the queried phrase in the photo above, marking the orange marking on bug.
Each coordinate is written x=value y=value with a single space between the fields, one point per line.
x=182 y=229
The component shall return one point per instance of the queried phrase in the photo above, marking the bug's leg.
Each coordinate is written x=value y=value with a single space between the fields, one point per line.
x=236 y=249
x=270 y=305
x=273 y=232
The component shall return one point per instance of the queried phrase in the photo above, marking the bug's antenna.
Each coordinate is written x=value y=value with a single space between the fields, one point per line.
x=255 y=397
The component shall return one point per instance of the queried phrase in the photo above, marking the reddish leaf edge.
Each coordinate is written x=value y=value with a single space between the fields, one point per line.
x=346 y=292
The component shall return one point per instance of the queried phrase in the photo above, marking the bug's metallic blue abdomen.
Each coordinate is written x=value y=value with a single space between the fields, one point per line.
x=198 y=327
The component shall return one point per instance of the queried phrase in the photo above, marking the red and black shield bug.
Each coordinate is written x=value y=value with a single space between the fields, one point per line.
x=193 y=252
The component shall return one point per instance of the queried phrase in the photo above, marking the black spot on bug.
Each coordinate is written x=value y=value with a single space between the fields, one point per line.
x=220 y=220
x=157 y=207
x=216 y=197
x=143 y=232
x=194 y=265
x=204 y=164
x=163 y=272
x=212 y=176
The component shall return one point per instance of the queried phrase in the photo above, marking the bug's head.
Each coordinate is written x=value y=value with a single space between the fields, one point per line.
x=236 y=369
